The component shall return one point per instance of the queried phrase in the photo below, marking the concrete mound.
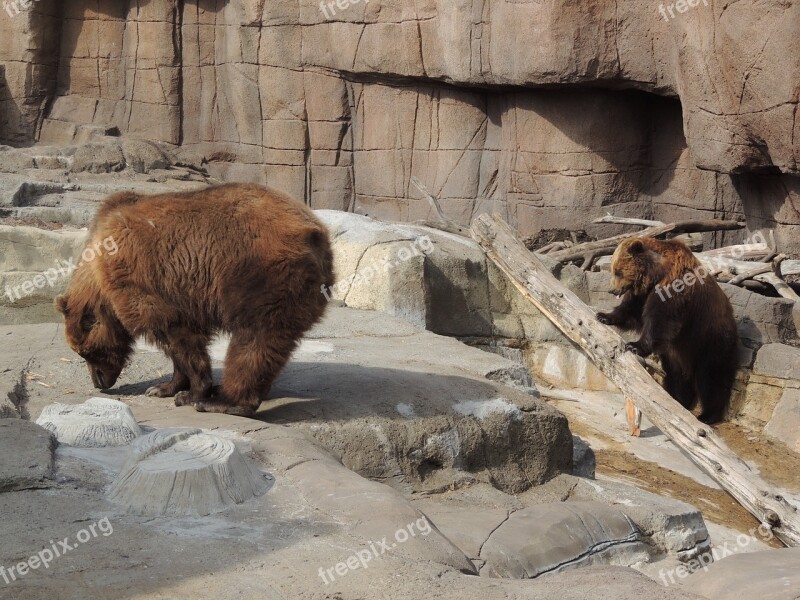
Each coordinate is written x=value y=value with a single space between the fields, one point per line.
x=185 y=472
x=96 y=423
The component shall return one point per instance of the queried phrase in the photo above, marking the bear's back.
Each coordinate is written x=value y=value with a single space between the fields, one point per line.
x=211 y=249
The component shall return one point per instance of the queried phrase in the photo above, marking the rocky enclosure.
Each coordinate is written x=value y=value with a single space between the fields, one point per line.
x=550 y=112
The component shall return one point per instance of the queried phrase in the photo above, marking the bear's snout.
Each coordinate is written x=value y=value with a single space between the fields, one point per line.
x=617 y=292
x=103 y=378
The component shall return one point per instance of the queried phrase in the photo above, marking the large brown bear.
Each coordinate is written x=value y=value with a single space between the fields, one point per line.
x=682 y=315
x=236 y=258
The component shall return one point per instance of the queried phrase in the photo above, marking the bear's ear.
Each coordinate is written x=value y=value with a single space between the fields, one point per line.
x=636 y=247
x=61 y=304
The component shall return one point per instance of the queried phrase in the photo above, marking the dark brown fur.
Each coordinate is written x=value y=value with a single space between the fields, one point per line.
x=236 y=258
x=692 y=330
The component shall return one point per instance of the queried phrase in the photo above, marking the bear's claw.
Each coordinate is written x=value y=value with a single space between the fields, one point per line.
x=218 y=407
x=634 y=347
x=157 y=391
x=183 y=398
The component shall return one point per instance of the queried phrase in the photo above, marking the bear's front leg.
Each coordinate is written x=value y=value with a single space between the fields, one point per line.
x=659 y=329
x=626 y=316
x=178 y=383
x=188 y=349
x=641 y=347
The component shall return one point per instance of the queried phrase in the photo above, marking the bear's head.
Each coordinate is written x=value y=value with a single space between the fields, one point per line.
x=635 y=267
x=94 y=332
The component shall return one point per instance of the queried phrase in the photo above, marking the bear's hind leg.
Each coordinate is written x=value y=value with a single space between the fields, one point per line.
x=254 y=359
x=714 y=386
x=678 y=383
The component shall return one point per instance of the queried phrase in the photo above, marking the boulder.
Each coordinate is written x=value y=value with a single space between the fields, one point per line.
x=552 y=537
x=27 y=452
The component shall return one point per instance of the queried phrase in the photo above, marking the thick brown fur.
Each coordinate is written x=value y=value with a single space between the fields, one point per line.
x=236 y=258
x=690 y=327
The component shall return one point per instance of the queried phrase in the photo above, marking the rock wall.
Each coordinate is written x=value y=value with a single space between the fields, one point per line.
x=551 y=112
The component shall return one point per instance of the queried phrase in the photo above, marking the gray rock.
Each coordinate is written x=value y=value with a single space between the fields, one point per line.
x=583 y=459
x=778 y=361
x=553 y=537
x=762 y=320
x=443 y=418
x=98 y=158
x=785 y=422
x=671 y=527
x=143 y=156
x=27 y=456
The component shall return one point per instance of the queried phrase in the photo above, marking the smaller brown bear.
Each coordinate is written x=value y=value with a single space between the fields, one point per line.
x=683 y=316
x=236 y=258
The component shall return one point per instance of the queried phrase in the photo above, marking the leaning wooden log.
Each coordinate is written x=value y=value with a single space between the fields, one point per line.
x=607 y=245
x=607 y=349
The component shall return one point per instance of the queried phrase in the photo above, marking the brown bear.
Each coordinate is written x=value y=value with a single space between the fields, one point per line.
x=236 y=258
x=683 y=316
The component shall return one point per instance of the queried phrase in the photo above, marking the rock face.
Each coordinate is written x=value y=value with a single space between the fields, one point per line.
x=559 y=112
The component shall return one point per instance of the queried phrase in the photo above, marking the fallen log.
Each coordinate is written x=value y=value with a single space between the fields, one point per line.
x=738 y=271
x=609 y=218
x=607 y=349
x=756 y=251
x=606 y=246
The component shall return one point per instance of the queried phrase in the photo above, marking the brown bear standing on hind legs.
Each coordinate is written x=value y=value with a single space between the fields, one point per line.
x=683 y=316
x=241 y=259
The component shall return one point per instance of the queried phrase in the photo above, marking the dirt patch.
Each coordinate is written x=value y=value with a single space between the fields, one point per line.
x=778 y=465
x=717 y=506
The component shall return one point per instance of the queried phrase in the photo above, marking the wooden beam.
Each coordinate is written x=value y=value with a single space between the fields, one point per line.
x=609 y=218
x=607 y=349
x=607 y=245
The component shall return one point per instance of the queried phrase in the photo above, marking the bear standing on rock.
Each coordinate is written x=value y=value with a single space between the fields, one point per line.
x=683 y=316
x=241 y=259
